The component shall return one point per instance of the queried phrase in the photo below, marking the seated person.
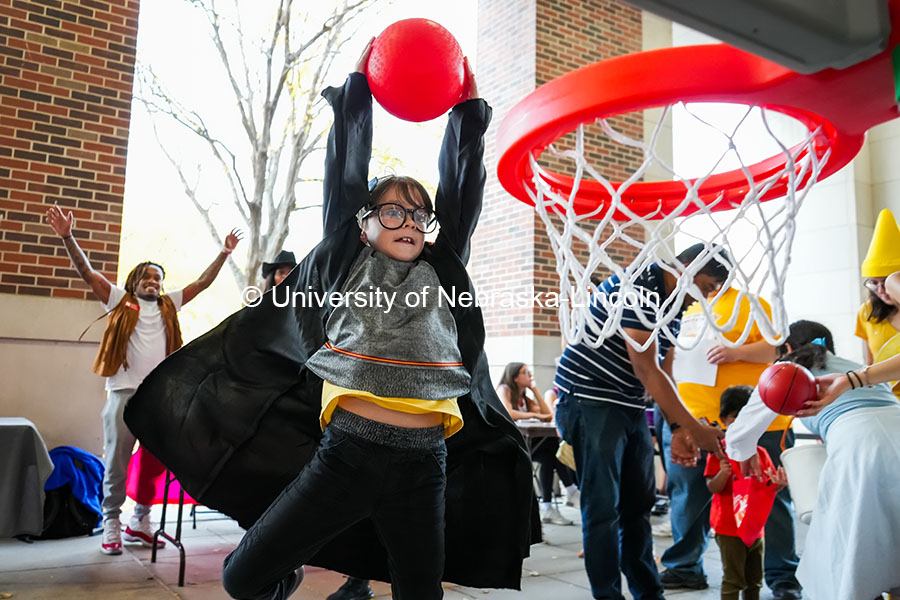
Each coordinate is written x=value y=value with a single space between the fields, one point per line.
x=517 y=380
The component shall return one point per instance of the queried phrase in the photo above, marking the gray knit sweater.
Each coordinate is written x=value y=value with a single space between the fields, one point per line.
x=391 y=336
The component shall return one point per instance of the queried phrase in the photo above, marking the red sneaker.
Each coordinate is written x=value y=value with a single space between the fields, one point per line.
x=140 y=531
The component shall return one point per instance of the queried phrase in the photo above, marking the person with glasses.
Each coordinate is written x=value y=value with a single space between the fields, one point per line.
x=361 y=435
x=878 y=319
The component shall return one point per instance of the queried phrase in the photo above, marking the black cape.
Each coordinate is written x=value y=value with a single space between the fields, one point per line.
x=234 y=414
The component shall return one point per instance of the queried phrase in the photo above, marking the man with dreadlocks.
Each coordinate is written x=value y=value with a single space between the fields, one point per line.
x=141 y=331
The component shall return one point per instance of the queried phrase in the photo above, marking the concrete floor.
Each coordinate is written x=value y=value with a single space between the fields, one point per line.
x=74 y=569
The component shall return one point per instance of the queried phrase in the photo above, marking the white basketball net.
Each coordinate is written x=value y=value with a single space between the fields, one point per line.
x=756 y=235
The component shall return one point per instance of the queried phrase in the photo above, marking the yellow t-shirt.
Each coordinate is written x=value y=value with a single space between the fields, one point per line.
x=703 y=400
x=449 y=408
x=876 y=336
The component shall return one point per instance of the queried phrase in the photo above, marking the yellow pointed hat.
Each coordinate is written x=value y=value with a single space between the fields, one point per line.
x=883 y=257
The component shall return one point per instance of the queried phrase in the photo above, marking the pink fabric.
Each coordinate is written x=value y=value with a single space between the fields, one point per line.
x=146 y=483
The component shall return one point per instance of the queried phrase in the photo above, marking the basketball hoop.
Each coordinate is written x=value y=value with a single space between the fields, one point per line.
x=833 y=108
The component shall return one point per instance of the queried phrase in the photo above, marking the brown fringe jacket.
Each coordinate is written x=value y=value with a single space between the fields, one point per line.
x=119 y=327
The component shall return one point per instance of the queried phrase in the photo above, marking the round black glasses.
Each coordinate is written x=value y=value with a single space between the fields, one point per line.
x=393 y=216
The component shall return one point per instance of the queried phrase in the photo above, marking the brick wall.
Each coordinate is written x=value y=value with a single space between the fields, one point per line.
x=558 y=36
x=503 y=253
x=66 y=72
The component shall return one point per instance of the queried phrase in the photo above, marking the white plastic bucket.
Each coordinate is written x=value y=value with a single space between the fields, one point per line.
x=803 y=465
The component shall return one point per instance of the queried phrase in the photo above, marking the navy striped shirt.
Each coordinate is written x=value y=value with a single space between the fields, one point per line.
x=605 y=373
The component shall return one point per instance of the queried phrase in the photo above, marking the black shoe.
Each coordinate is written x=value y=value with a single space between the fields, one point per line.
x=353 y=589
x=290 y=584
x=661 y=507
x=672 y=581
x=787 y=592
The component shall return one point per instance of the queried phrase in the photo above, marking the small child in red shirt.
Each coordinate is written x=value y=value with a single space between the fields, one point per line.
x=742 y=565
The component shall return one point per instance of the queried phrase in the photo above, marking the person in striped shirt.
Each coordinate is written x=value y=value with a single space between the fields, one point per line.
x=601 y=414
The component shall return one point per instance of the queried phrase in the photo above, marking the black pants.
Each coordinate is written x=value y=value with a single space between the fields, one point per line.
x=350 y=479
x=543 y=452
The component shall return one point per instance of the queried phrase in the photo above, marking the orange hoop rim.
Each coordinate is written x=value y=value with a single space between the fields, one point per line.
x=838 y=107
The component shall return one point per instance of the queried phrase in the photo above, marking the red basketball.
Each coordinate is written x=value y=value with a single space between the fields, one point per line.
x=785 y=387
x=415 y=70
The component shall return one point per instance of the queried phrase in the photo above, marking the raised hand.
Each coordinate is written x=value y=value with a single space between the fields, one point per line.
x=61 y=224
x=232 y=239
x=364 y=57
x=470 y=88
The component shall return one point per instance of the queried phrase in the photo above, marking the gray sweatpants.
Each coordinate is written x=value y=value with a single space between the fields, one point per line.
x=118 y=444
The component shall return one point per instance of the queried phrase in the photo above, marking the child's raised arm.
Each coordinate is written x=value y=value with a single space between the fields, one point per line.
x=349 y=148
x=461 y=187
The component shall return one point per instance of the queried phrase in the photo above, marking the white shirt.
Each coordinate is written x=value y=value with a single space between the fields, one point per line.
x=147 y=344
x=751 y=423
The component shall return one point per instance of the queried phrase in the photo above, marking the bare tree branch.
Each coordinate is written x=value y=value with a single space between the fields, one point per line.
x=191 y=192
x=275 y=83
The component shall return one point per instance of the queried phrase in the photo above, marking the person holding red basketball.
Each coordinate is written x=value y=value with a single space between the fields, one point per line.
x=878 y=319
x=390 y=384
x=851 y=549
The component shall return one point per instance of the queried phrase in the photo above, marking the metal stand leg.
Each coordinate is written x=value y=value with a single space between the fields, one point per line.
x=176 y=541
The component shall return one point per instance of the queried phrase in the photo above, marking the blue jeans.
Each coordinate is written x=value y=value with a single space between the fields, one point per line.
x=689 y=502
x=348 y=480
x=614 y=460
x=781 y=558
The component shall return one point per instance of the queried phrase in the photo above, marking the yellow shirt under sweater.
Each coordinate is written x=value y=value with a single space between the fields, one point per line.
x=448 y=408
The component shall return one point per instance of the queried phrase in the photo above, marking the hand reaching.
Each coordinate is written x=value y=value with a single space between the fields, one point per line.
x=777 y=476
x=683 y=450
x=750 y=467
x=830 y=387
x=232 y=239
x=61 y=224
x=707 y=438
x=725 y=466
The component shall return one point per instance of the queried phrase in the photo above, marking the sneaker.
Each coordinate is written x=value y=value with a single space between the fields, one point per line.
x=672 y=581
x=551 y=515
x=353 y=589
x=787 y=592
x=111 y=542
x=573 y=499
x=662 y=529
x=661 y=507
x=140 y=531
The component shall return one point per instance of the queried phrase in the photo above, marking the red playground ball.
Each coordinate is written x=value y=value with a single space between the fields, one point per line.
x=415 y=70
x=785 y=387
